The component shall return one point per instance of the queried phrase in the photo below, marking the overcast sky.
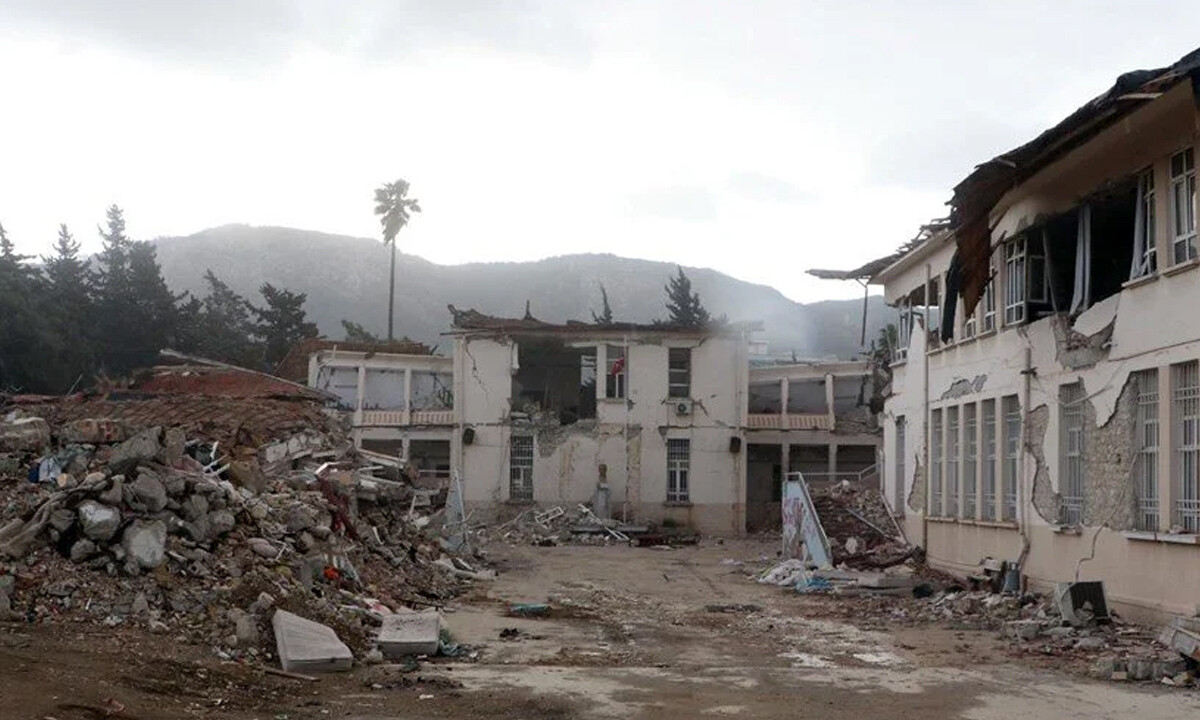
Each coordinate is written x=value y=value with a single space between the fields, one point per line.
x=759 y=138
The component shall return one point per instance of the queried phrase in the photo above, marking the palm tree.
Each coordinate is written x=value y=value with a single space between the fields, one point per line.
x=394 y=207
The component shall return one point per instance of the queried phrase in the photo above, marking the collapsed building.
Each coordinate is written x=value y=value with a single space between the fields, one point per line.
x=644 y=422
x=1045 y=406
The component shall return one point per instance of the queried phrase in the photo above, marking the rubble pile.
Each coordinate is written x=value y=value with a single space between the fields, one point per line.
x=580 y=526
x=861 y=531
x=106 y=523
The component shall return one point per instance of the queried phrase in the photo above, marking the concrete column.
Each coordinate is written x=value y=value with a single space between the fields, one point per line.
x=833 y=465
x=601 y=371
x=829 y=401
x=405 y=445
x=785 y=459
x=784 y=391
x=407 y=402
x=359 y=393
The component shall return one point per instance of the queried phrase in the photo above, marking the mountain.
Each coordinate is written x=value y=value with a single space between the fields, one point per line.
x=346 y=277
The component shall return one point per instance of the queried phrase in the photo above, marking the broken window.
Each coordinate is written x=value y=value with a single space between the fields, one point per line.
x=933 y=320
x=988 y=301
x=1145 y=462
x=679 y=457
x=765 y=398
x=953 y=458
x=969 y=325
x=1012 y=451
x=807 y=397
x=679 y=372
x=1038 y=287
x=935 y=463
x=900 y=455
x=1186 y=419
x=903 y=331
x=383 y=389
x=1014 y=282
x=615 y=372
x=970 y=460
x=520 y=467
x=1071 y=400
x=341 y=381
x=432 y=390
x=552 y=378
x=989 y=460
x=1145 y=254
x=1183 y=206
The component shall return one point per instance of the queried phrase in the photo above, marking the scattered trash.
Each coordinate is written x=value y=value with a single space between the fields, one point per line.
x=529 y=610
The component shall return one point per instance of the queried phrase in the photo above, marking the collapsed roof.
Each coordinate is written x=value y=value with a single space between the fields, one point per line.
x=472 y=321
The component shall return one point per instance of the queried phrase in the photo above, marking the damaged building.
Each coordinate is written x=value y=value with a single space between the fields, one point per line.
x=645 y=422
x=1045 y=405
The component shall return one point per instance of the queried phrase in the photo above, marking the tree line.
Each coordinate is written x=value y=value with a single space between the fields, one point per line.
x=70 y=320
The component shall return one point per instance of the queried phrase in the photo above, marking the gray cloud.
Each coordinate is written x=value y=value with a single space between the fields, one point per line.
x=257 y=32
x=693 y=203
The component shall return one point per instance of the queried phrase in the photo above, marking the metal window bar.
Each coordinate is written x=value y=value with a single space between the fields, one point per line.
x=970 y=461
x=1145 y=467
x=1012 y=449
x=1187 y=440
x=1071 y=401
x=935 y=464
x=953 y=459
x=989 y=460
x=520 y=467
x=679 y=453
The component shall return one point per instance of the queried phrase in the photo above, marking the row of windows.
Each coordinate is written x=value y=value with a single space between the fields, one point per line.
x=964 y=462
x=679 y=372
x=520 y=468
x=964 y=440
x=1033 y=285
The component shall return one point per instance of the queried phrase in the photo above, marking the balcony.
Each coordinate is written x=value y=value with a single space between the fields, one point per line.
x=792 y=421
x=398 y=418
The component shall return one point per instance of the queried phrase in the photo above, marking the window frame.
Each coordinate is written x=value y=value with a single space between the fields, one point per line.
x=615 y=384
x=988 y=506
x=1015 y=267
x=675 y=387
x=969 y=472
x=953 y=460
x=1147 y=440
x=1185 y=440
x=679 y=462
x=1149 y=259
x=936 y=452
x=988 y=319
x=1183 y=219
x=520 y=474
x=1071 y=451
x=1009 y=477
x=900 y=441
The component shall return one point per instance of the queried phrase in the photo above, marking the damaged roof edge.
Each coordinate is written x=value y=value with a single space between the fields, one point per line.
x=473 y=322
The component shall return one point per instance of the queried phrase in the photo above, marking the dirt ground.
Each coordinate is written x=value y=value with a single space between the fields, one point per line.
x=631 y=635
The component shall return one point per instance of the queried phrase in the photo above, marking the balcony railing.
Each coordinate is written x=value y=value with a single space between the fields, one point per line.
x=396 y=418
x=792 y=421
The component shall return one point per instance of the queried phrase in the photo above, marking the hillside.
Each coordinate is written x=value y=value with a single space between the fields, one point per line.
x=346 y=277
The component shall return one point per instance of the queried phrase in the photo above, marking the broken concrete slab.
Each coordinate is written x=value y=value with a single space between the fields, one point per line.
x=94 y=431
x=98 y=521
x=306 y=646
x=405 y=634
x=31 y=434
x=1183 y=636
x=145 y=543
x=147 y=493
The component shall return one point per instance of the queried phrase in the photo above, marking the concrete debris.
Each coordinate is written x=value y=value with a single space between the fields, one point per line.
x=25 y=434
x=307 y=646
x=193 y=537
x=405 y=634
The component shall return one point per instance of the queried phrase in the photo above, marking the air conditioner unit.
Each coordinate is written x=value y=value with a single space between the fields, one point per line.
x=683 y=407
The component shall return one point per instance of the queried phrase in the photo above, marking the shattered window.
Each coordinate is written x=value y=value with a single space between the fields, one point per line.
x=1071 y=400
x=1148 y=260
x=679 y=372
x=1014 y=282
x=520 y=467
x=989 y=302
x=432 y=390
x=1145 y=462
x=1183 y=206
x=615 y=372
x=679 y=457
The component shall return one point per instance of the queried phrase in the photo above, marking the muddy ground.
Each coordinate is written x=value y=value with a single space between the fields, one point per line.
x=631 y=636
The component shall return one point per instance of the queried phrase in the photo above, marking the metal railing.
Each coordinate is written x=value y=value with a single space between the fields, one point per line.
x=791 y=421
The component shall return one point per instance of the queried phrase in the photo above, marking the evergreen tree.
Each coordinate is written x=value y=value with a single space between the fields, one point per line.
x=113 y=296
x=606 y=314
x=226 y=327
x=153 y=305
x=282 y=323
x=683 y=305
x=25 y=339
x=69 y=294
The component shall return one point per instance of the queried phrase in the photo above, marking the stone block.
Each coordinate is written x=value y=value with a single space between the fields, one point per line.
x=99 y=522
x=138 y=449
x=405 y=634
x=94 y=431
x=147 y=493
x=30 y=434
x=145 y=543
x=306 y=646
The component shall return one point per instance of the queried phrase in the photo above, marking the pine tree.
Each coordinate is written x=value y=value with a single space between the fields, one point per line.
x=282 y=323
x=683 y=305
x=69 y=290
x=606 y=314
x=226 y=327
x=25 y=339
x=153 y=303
